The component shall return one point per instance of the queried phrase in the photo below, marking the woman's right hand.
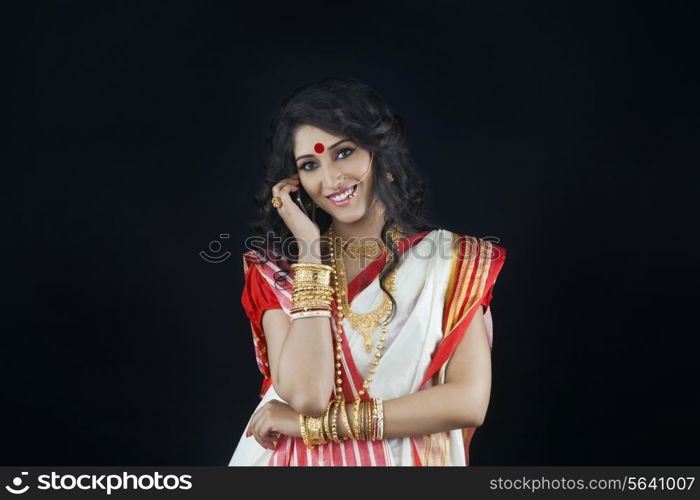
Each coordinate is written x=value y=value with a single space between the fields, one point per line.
x=299 y=224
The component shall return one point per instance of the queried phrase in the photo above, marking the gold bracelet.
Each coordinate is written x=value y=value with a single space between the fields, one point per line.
x=356 y=417
x=322 y=278
x=346 y=422
x=302 y=301
x=362 y=423
x=310 y=301
x=326 y=424
x=334 y=422
x=314 y=425
x=299 y=300
x=380 y=419
x=307 y=288
x=311 y=294
x=367 y=419
x=304 y=434
x=307 y=306
x=305 y=271
x=362 y=420
x=308 y=293
x=373 y=436
x=311 y=265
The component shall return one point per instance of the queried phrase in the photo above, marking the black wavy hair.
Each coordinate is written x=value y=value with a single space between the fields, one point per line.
x=344 y=107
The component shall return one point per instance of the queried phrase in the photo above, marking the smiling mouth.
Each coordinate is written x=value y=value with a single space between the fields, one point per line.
x=343 y=195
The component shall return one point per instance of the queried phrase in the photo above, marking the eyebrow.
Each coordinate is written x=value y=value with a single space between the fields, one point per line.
x=329 y=147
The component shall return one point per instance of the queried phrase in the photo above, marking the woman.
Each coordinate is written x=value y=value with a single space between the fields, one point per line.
x=371 y=326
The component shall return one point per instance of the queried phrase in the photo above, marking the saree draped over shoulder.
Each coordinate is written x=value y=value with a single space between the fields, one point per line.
x=441 y=279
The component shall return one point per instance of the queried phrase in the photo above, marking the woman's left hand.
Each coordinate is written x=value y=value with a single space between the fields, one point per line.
x=271 y=420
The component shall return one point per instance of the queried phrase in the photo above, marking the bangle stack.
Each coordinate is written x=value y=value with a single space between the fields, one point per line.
x=368 y=420
x=312 y=293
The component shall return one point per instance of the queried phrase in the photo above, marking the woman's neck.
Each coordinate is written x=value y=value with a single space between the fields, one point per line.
x=369 y=226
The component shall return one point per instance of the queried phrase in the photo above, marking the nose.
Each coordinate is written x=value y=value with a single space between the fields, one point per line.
x=332 y=178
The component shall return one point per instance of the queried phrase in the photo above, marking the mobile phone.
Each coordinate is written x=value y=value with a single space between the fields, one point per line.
x=300 y=200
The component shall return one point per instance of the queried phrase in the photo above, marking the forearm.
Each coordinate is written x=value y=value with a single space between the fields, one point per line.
x=306 y=362
x=306 y=365
x=439 y=408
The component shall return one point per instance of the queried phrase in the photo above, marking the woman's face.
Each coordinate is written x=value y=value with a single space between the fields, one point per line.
x=330 y=165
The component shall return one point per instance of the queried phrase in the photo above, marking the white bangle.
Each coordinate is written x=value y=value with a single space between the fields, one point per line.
x=311 y=314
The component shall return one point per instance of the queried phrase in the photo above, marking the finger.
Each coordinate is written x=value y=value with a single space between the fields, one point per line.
x=253 y=422
x=287 y=189
x=267 y=436
x=259 y=440
x=279 y=187
x=285 y=194
x=261 y=437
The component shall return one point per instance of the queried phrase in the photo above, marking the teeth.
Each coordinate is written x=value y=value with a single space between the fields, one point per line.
x=341 y=197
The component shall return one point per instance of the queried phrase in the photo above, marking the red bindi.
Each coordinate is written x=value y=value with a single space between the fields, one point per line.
x=319 y=147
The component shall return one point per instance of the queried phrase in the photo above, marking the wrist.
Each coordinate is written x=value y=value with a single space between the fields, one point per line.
x=309 y=251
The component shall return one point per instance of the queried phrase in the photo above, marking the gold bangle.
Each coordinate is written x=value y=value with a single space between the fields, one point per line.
x=356 y=417
x=314 y=425
x=367 y=419
x=346 y=422
x=380 y=419
x=373 y=436
x=312 y=292
x=311 y=287
x=364 y=421
x=299 y=299
x=304 y=434
x=362 y=403
x=316 y=277
x=334 y=422
x=306 y=301
x=311 y=265
x=307 y=272
x=308 y=305
x=326 y=424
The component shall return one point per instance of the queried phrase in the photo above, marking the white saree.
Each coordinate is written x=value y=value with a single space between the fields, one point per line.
x=422 y=286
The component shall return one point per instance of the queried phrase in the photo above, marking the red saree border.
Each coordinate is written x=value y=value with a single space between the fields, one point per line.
x=369 y=273
x=474 y=266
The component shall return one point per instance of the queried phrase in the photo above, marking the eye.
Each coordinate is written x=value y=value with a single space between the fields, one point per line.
x=342 y=154
x=351 y=151
x=304 y=165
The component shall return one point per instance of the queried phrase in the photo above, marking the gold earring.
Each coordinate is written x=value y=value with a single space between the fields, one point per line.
x=389 y=177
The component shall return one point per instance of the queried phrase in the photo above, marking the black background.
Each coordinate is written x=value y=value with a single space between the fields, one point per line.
x=562 y=129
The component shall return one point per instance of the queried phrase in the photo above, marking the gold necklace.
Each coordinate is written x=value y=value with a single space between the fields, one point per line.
x=363 y=323
x=359 y=249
